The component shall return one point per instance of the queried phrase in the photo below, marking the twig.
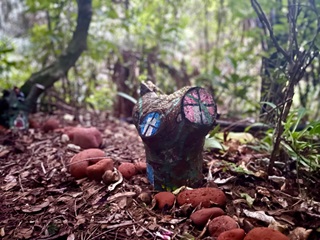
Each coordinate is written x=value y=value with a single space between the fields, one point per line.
x=292 y=15
x=8 y=165
x=204 y=230
x=145 y=229
x=43 y=169
x=22 y=189
x=123 y=224
x=45 y=227
x=91 y=233
x=256 y=6
x=75 y=208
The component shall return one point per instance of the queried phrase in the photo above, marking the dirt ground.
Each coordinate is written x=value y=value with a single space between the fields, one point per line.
x=39 y=199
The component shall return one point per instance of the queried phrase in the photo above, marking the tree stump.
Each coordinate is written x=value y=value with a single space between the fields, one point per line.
x=173 y=129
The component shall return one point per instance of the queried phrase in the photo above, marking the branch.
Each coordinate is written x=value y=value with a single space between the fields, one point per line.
x=256 y=6
x=49 y=75
x=292 y=18
x=314 y=8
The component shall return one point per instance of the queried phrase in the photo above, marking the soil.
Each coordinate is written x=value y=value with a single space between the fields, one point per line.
x=39 y=199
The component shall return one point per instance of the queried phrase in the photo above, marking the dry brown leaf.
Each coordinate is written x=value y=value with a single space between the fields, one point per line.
x=299 y=233
x=80 y=219
x=263 y=191
x=36 y=208
x=4 y=152
x=259 y=215
x=123 y=202
x=24 y=233
x=71 y=237
x=2 y=232
x=9 y=186
x=120 y=195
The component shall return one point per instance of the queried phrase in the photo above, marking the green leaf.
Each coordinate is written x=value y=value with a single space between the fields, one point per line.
x=315 y=128
x=216 y=71
x=242 y=137
x=248 y=198
x=214 y=131
x=128 y=97
x=258 y=124
x=272 y=105
x=112 y=14
x=301 y=113
x=212 y=143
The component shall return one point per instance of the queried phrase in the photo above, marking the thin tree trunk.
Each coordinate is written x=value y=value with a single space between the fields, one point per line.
x=49 y=75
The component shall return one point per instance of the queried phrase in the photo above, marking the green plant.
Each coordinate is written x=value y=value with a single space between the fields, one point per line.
x=301 y=145
x=6 y=64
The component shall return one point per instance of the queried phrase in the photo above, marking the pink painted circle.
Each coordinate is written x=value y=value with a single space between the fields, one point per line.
x=199 y=106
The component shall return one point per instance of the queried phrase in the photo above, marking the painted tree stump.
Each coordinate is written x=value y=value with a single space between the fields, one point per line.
x=173 y=128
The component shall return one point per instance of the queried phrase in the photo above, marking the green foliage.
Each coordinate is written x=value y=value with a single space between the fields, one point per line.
x=236 y=168
x=213 y=143
x=49 y=37
x=10 y=63
x=101 y=99
x=171 y=28
x=248 y=198
x=303 y=145
x=5 y=64
x=220 y=39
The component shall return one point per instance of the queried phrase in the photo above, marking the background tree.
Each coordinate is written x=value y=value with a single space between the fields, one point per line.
x=296 y=59
x=59 y=68
x=219 y=45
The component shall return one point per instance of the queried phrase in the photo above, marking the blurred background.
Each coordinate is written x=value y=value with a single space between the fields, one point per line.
x=221 y=45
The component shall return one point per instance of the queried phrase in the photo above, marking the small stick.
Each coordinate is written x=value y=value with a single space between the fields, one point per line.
x=43 y=169
x=22 y=189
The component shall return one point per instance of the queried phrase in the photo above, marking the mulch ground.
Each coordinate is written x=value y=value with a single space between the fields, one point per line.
x=40 y=200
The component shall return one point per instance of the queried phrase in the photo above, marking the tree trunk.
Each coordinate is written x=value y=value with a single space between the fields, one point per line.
x=271 y=87
x=49 y=75
x=124 y=76
x=173 y=129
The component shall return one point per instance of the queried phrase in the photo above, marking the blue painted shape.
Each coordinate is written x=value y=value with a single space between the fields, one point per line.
x=150 y=124
x=150 y=174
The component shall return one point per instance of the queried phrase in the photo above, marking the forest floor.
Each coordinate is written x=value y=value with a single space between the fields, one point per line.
x=39 y=199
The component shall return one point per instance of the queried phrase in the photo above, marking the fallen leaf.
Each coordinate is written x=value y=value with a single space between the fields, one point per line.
x=36 y=208
x=277 y=179
x=123 y=203
x=120 y=195
x=4 y=152
x=223 y=181
x=71 y=237
x=299 y=233
x=212 y=143
x=80 y=220
x=2 y=232
x=169 y=219
x=242 y=137
x=259 y=215
x=263 y=191
x=9 y=186
x=248 y=198
x=24 y=233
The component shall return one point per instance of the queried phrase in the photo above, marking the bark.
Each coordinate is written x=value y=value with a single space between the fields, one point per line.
x=124 y=76
x=271 y=87
x=49 y=75
x=173 y=128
